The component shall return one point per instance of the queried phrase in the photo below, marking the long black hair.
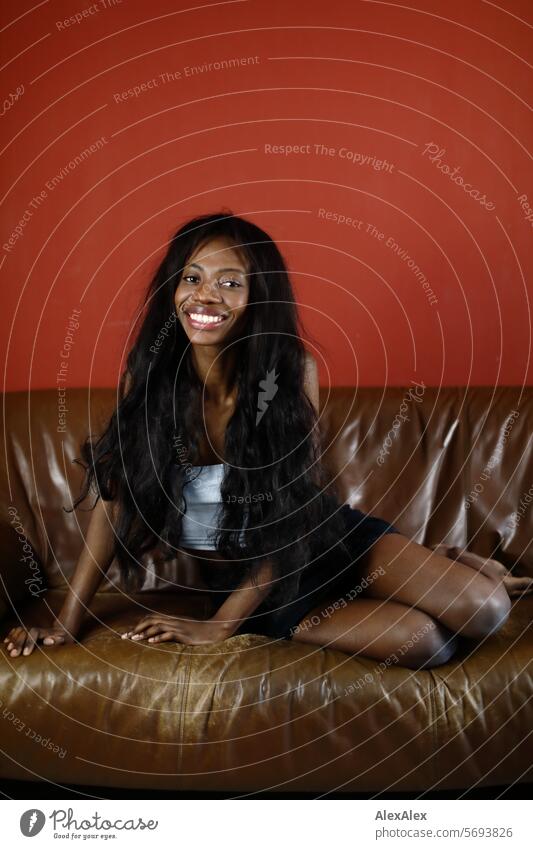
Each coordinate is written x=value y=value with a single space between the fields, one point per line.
x=274 y=490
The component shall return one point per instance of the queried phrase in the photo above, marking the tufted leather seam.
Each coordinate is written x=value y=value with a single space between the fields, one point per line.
x=182 y=708
x=466 y=466
x=433 y=718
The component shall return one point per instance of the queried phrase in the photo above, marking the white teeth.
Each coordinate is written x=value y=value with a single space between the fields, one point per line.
x=204 y=319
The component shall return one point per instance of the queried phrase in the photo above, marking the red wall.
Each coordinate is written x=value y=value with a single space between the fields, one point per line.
x=380 y=80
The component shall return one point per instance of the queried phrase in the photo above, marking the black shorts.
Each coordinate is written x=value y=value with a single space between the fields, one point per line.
x=330 y=574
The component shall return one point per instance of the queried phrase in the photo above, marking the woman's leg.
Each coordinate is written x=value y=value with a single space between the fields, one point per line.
x=383 y=630
x=414 y=598
x=514 y=585
x=462 y=599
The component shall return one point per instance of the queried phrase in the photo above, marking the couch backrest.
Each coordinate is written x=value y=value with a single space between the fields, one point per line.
x=449 y=465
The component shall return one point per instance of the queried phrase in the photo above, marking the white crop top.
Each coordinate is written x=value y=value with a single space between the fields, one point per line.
x=203 y=500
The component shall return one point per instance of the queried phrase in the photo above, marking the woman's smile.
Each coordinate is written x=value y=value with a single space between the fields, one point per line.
x=213 y=291
x=202 y=319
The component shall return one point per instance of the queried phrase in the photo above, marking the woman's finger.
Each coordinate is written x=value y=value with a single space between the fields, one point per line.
x=54 y=640
x=151 y=629
x=518 y=586
x=164 y=637
x=30 y=641
x=143 y=623
x=128 y=634
x=156 y=624
x=13 y=637
x=17 y=641
x=523 y=580
x=25 y=642
x=155 y=629
x=140 y=635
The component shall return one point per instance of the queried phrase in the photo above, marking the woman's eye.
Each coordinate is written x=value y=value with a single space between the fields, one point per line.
x=223 y=282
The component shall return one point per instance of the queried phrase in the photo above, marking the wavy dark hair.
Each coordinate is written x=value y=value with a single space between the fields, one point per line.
x=134 y=462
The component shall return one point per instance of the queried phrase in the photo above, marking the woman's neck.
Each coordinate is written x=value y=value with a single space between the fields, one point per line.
x=216 y=371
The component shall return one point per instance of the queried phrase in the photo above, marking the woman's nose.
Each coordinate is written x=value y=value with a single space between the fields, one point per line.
x=208 y=291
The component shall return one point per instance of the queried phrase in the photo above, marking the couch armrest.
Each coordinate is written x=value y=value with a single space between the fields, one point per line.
x=21 y=573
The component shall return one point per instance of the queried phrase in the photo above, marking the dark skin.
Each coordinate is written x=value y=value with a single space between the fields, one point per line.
x=418 y=589
x=98 y=549
x=205 y=285
x=452 y=591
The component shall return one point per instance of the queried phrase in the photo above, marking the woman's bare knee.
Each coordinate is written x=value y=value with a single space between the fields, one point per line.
x=427 y=643
x=481 y=614
x=466 y=602
x=437 y=649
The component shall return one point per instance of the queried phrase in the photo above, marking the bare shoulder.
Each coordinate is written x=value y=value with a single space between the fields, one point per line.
x=311 y=367
x=127 y=378
x=311 y=380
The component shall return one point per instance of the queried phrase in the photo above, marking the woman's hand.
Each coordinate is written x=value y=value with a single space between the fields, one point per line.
x=23 y=640
x=514 y=585
x=158 y=628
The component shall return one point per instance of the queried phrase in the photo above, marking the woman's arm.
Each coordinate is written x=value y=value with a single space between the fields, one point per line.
x=96 y=556
x=158 y=627
x=243 y=600
x=94 y=561
x=246 y=597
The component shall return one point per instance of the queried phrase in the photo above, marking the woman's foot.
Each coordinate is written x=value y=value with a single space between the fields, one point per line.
x=514 y=585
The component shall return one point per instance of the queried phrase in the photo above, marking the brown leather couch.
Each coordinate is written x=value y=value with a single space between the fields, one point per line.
x=249 y=714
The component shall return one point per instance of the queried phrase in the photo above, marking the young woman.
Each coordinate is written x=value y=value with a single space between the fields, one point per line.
x=213 y=451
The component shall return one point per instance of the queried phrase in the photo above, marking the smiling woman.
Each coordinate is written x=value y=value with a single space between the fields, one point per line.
x=233 y=350
x=208 y=297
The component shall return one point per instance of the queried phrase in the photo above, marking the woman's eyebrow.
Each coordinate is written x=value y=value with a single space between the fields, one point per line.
x=238 y=270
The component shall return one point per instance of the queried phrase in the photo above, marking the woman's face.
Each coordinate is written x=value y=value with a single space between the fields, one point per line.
x=213 y=292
